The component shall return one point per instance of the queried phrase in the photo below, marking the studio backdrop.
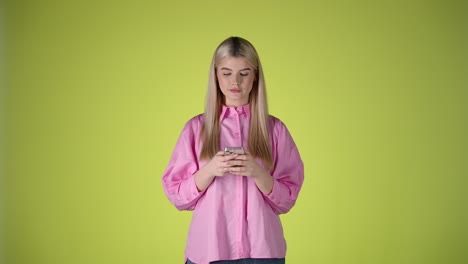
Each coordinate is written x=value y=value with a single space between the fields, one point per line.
x=95 y=94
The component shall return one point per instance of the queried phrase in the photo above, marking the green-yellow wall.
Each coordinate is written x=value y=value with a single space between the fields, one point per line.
x=373 y=92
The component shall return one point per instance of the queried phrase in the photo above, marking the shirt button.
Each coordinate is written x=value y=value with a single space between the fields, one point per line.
x=236 y=134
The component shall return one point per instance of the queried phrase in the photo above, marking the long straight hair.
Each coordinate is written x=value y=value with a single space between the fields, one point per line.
x=259 y=141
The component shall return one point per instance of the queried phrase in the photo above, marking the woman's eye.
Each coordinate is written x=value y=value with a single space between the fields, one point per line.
x=244 y=74
x=226 y=74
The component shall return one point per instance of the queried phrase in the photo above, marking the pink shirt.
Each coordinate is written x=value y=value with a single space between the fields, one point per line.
x=232 y=218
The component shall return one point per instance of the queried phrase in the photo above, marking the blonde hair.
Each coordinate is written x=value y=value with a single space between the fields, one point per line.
x=259 y=141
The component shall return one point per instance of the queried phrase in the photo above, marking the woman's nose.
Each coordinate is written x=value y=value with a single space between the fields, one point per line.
x=236 y=80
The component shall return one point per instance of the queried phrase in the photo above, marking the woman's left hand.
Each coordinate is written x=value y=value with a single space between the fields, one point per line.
x=245 y=165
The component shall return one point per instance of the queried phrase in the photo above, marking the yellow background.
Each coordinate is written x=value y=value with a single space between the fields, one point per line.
x=95 y=94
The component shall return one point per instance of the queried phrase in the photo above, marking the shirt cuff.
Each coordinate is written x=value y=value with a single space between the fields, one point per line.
x=192 y=190
x=276 y=192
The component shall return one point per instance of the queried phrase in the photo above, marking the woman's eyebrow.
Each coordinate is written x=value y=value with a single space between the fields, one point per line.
x=226 y=68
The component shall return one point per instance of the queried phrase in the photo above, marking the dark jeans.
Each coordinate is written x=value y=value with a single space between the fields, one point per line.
x=247 y=261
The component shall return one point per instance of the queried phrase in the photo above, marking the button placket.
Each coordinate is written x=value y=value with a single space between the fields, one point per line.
x=237 y=133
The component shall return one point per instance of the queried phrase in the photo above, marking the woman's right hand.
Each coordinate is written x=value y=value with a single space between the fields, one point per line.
x=217 y=166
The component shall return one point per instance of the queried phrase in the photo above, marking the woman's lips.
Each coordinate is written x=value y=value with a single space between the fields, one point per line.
x=235 y=90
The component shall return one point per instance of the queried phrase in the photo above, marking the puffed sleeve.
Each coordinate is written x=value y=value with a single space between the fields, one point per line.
x=288 y=171
x=178 y=180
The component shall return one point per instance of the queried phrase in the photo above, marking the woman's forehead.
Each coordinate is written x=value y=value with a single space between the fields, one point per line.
x=234 y=62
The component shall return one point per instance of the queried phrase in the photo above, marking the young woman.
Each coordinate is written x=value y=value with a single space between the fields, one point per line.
x=236 y=198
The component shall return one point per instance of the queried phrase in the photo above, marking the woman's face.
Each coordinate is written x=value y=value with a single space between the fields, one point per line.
x=235 y=78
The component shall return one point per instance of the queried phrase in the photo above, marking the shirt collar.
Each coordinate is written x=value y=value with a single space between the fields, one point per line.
x=231 y=111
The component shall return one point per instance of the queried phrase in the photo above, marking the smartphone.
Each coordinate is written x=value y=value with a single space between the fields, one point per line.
x=233 y=150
